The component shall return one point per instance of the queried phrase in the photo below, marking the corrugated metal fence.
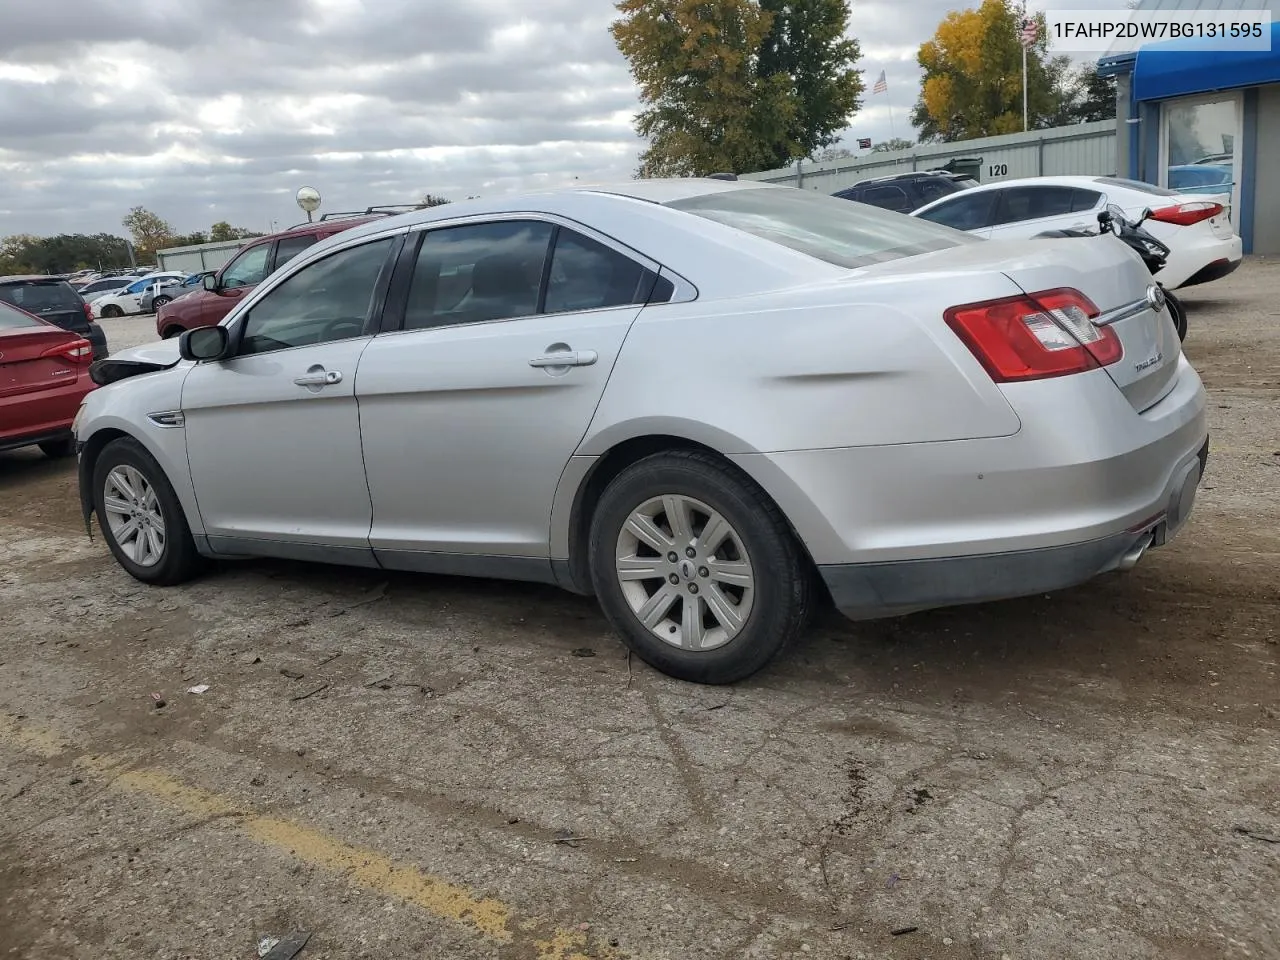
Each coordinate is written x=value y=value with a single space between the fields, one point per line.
x=1085 y=149
x=198 y=258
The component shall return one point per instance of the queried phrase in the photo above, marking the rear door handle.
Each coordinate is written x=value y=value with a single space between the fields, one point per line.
x=319 y=378
x=570 y=358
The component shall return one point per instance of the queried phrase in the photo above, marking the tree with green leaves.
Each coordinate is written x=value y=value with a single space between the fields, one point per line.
x=807 y=44
x=431 y=200
x=149 y=231
x=973 y=76
x=223 y=231
x=892 y=145
x=737 y=85
x=63 y=253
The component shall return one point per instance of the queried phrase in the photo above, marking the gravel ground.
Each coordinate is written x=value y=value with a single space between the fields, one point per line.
x=409 y=766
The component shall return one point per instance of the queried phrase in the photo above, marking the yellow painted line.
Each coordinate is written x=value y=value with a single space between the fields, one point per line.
x=367 y=869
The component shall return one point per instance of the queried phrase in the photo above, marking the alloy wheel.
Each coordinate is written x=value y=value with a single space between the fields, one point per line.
x=685 y=572
x=134 y=515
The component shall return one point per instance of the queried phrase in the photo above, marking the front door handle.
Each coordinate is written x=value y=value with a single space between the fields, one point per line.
x=569 y=358
x=319 y=377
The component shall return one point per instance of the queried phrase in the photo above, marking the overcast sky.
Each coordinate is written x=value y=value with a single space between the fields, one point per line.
x=206 y=110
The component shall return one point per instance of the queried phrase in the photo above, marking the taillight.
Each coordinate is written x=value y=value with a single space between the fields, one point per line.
x=1030 y=337
x=77 y=351
x=1186 y=214
x=88 y=312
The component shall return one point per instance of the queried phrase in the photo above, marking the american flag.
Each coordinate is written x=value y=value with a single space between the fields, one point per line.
x=882 y=85
x=1027 y=35
x=864 y=143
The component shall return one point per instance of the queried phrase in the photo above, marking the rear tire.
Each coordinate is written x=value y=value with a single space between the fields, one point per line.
x=739 y=588
x=141 y=517
x=58 y=449
x=111 y=311
x=1178 y=312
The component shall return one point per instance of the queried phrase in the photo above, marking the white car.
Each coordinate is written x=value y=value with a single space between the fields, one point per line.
x=1197 y=228
x=129 y=299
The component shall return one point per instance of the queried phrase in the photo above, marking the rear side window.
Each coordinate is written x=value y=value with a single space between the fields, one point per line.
x=11 y=319
x=586 y=275
x=1138 y=185
x=1082 y=200
x=37 y=296
x=289 y=247
x=967 y=211
x=826 y=228
x=934 y=189
x=887 y=198
x=1033 y=203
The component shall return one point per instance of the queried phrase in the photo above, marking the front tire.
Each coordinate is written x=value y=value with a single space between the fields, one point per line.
x=159 y=302
x=141 y=517
x=697 y=568
x=171 y=332
x=112 y=312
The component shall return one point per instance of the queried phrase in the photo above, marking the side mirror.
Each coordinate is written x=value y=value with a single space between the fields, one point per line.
x=204 y=343
x=209 y=282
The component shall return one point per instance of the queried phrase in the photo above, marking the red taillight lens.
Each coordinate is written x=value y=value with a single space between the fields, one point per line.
x=88 y=313
x=1185 y=214
x=1049 y=334
x=77 y=351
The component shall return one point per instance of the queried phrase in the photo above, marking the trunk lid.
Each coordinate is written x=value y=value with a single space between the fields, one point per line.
x=1111 y=275
x=51 y=300
x=1104 y=269
x=23 y=369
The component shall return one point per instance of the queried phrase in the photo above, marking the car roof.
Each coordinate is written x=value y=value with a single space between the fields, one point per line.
x=32 y=278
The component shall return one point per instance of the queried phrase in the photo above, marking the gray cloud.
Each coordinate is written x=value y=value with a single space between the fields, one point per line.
x=220 y=109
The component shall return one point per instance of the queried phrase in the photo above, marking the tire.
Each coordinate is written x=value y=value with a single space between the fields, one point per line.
x=159 y=302
x=111 y=311
x=1178 y=312
x=58 y=449
x=758 y=542
x=171 y=332
x=177 y=560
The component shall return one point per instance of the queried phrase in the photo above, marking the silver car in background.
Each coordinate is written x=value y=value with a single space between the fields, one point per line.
x=708 y=403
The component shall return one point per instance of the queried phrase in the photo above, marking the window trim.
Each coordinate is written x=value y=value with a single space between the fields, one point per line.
x=398 y=290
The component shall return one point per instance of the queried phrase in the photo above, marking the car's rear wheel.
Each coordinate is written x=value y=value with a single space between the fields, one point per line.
x=697 y=569
x=141 y=516
x=112 y=311
x=58 y=449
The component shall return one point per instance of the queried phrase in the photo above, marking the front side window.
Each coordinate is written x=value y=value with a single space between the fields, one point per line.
x=968 y=211
x=477 y=273
x=826 y=228
x=247 y=269
x=324 y=301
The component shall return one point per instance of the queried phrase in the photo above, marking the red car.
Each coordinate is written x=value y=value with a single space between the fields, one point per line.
x=44 y=374
x=206 y=305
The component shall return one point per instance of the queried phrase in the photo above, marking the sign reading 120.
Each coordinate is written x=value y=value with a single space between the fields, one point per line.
x=997 y=170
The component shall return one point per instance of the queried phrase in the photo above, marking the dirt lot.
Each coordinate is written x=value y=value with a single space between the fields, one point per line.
x=416 y=767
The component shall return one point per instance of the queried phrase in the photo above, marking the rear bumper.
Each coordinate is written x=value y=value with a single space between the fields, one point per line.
x=40 y=416
x=865 y=591
x=1214 y=271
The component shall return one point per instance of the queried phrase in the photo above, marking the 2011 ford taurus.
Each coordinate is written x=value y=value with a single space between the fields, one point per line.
x=706 y=402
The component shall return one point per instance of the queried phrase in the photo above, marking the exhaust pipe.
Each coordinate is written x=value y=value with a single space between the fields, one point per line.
x=1130 y=559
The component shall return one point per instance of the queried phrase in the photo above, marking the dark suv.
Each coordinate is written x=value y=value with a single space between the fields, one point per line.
x=904 y=192
x=207 y=305
x=55 y=300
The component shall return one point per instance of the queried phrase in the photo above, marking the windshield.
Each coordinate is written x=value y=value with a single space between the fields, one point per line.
x=827 y=228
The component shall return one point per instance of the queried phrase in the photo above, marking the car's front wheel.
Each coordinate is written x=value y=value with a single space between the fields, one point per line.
x=697 y=568
x=171 y=332
x=141 y=516
x=159 y=302
x=111 y=311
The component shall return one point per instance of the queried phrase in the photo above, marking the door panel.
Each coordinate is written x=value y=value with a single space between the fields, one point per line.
x=467 y=429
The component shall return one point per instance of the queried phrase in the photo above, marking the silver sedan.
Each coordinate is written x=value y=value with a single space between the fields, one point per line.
x=711 y=404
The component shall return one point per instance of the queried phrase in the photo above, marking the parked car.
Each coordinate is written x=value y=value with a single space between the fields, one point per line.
x=698 y=400
x=1199 y=233
x=44 y=375
x=166 y=291
x=256 y=260
x=54 y=300
x=904 y=192
x=129 y=299
x=103 y=285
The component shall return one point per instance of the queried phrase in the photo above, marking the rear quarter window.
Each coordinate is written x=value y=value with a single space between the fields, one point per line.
x=826 y=228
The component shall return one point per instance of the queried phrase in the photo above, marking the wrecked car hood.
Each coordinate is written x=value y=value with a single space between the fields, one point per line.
x=147 y=358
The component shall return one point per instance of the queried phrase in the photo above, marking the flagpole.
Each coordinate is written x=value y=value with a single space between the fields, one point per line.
x=1023 y=41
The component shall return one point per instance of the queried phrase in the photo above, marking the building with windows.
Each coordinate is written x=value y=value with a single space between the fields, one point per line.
x=1200 y=121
